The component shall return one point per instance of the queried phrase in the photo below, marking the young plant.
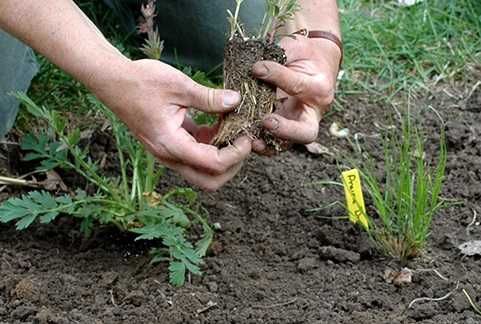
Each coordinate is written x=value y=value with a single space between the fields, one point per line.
x=128 y=201
x=241 y=53
x=408 y=197
x=278 y=12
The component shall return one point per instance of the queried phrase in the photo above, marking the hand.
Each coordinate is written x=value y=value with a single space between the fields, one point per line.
x=306 y=86
x=153 y=101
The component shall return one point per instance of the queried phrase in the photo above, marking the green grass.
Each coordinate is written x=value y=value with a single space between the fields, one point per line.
x=390 y=49
x=407 y=195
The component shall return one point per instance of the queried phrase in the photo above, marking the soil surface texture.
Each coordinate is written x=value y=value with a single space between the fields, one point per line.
x=274 y=261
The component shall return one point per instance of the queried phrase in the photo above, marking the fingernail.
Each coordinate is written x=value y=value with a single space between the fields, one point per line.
x=271 y=123
x=260 y=69
x=231 y=98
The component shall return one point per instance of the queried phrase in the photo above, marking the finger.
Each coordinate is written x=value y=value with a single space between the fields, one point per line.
x=314 y=90
x=302 y=131
x=292 y=82
x=212 y=100
x=202 y=134
x=207 y=181
x=259 y=146
x=205 y=157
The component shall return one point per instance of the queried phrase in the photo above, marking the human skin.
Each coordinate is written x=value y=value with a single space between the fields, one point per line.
x=152 y=98
x=306 y=85
x=149 y=96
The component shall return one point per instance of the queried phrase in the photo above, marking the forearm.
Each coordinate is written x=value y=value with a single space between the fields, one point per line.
x=316 y=15
x=61 y=32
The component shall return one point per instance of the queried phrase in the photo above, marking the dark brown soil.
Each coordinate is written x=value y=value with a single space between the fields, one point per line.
x=273 y=261
x=258 y=98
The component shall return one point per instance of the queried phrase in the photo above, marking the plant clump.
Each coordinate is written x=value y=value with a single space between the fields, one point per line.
x=241 y=53
x=408 y=196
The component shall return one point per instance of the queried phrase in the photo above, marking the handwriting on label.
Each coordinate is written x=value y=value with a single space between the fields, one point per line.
x=354 y=198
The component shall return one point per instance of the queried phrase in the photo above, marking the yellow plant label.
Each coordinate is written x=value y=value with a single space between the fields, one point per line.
x=354 y=198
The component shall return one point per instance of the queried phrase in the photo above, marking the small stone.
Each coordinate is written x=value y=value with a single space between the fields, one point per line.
x=460 y=303
x=339 y=255
x=212 y=286
x=108 y=278
x=135 y=298
x=45 y=316
x=306 y=264
x=23 y=312
x=423 y=311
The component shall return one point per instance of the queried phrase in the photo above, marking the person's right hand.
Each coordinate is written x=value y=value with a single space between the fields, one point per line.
x=153 y=98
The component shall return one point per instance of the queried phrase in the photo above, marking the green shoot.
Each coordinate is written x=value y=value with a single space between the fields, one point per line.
x=128 y=201
x=235 y=26
x=278 y=12
x=409 y=197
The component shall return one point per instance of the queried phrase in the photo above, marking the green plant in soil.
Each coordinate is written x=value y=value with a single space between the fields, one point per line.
x=128 y=201
x=241 y=53
x=408 y=196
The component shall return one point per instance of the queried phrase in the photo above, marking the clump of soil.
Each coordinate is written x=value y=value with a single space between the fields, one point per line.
x=258 y=97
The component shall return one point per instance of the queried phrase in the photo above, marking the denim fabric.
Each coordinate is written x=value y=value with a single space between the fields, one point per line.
x=17 y=68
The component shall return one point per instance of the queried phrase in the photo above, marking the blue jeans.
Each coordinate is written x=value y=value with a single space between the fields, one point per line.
x=17 y=68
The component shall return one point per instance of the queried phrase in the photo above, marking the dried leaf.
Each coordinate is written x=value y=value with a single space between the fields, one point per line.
x=53 y=182
x=398 y=278
x=317 y=149
x=471 y=248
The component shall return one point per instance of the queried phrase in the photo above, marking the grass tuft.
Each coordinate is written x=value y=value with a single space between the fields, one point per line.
x=408 y=196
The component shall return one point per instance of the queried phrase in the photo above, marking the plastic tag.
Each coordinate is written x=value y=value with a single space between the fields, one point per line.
x=354 y=198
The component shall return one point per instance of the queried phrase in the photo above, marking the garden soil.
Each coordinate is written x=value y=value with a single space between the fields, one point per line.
x=274 y=260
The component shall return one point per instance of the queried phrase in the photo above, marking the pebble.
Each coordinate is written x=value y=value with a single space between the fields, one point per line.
x=339 y=255
x=22 y=312
x=306 y=264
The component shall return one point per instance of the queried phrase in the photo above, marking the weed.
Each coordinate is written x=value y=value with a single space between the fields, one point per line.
x=128 y=201
x=409 y=196
x=404 y=192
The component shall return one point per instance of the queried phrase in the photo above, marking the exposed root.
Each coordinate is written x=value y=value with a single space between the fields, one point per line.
x=423 y=299
x=472 y=303
x=468 y=228
x=258 y=98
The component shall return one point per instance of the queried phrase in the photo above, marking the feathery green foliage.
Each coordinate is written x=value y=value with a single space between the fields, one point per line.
x=128 y=201
x=278 y=12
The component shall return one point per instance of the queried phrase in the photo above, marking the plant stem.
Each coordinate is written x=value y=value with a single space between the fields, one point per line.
x=149 y=175
x=123 y=166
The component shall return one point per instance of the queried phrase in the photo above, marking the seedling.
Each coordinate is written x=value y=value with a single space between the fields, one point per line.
x=409 y=196
x=241 y=53
x=405 y=197
x=128 y=201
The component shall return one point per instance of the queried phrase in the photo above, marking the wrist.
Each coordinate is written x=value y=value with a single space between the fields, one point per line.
x=105 y=72
x=329 y=50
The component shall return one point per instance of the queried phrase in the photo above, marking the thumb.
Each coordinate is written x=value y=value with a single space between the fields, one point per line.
x=212 y=100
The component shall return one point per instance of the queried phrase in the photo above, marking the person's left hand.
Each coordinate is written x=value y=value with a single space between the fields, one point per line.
x=306 y=86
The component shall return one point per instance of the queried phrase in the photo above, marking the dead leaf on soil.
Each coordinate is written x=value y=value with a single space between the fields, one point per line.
x=470 y=248
x=53 y=182
x=398 y=278
x=318 y=149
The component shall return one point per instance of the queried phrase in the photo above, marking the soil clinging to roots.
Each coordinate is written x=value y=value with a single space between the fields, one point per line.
x=258 y=97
